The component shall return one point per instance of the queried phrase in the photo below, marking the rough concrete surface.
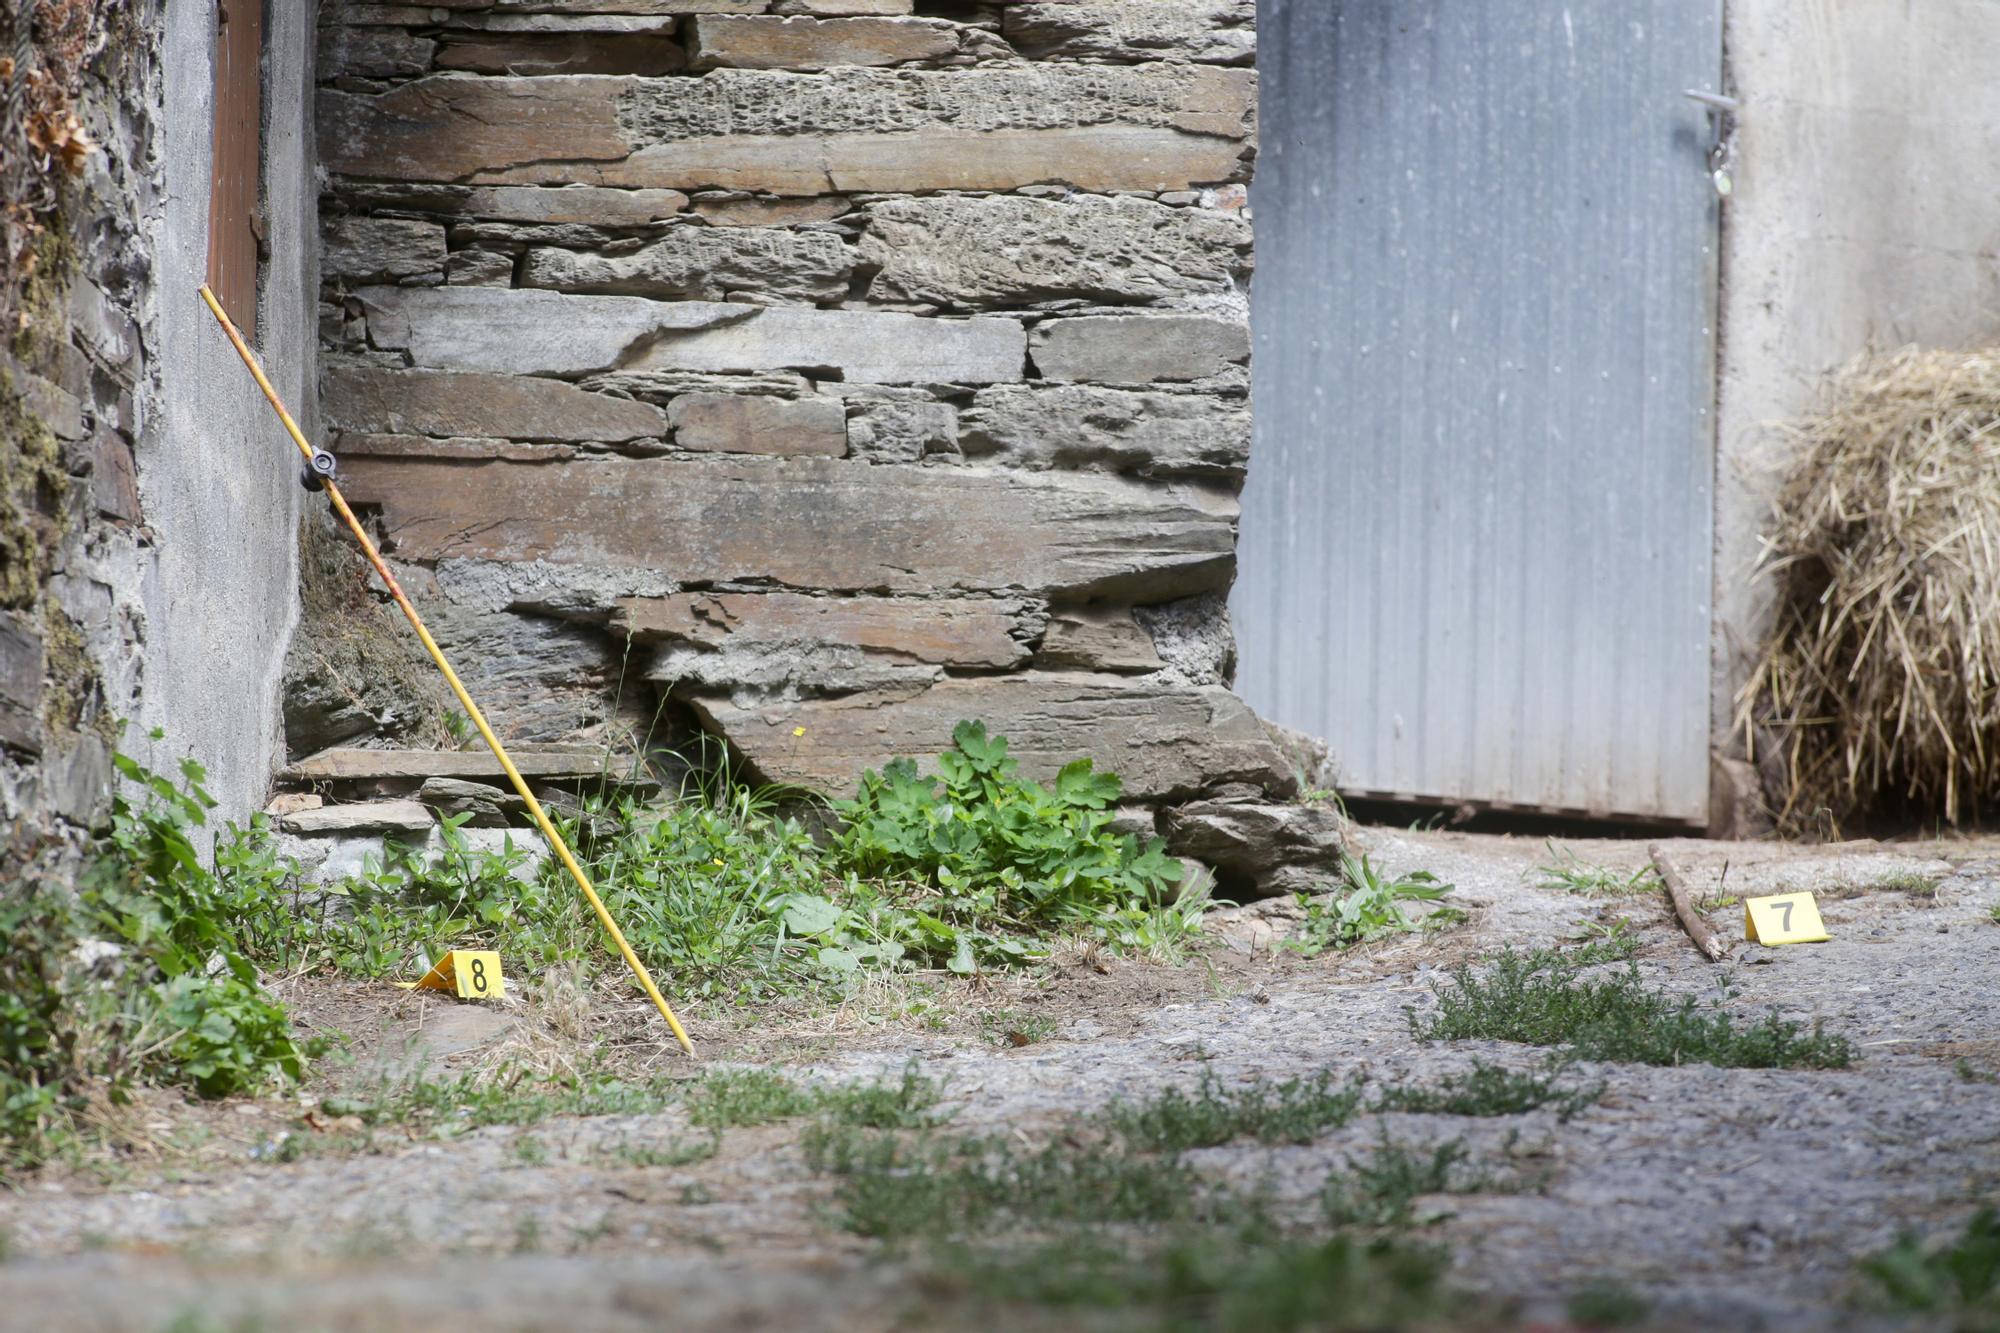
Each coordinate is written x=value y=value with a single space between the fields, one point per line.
x=1728 y=1198
x=219 y=480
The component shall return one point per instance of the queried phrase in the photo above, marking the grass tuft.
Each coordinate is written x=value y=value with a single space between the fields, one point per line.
x=1490 y=1090
x=1543 y=999
x=1295 y=1111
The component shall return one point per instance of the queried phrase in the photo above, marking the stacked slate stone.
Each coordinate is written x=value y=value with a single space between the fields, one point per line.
x=858 y=366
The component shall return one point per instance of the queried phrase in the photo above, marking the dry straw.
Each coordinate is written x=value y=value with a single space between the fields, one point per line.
x=1878 y=684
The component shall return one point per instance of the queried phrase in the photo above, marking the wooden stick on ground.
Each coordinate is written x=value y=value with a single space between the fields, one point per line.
x=1704 y=939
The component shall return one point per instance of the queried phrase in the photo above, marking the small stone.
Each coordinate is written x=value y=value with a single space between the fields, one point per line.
x=291 y=802
x=1259 y=849
x=487 y=806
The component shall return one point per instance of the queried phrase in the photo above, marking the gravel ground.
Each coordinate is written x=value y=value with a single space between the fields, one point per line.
x=1728 y=1198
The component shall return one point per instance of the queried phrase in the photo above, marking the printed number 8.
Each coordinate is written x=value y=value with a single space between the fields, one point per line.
x=1784 y=922
x=479 y=975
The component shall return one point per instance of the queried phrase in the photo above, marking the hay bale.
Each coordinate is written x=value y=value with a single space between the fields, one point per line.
x=1878 y=683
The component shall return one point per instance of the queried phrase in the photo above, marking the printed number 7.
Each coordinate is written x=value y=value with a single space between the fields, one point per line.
x=1784 y=923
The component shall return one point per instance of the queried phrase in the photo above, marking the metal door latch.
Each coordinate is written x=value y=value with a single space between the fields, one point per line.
x=1722 y=113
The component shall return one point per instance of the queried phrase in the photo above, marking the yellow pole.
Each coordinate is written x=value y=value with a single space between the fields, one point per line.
x=556 y=842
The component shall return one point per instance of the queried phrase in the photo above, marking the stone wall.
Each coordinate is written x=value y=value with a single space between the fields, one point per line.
x=147 y=509
x=832 y=370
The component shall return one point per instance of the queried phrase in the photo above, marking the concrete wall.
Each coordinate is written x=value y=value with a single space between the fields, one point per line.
x=831 y=371
x=162 y=570
x=218 y=478
x=1866 y=214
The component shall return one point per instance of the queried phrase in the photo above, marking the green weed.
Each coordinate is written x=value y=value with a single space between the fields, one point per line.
x=1223 y=1280
x=1602 y=942
x=999 y=850
x=1382 y=1189
x=1608 y=1305
x=679 y=1152
x=1959 y=1277
x=1369 y=907
x=1970 y=1073
x=1543 y=999
x=1490 y=1090
x=729 y=1098
x=1296 y=1111
x=1569 y=873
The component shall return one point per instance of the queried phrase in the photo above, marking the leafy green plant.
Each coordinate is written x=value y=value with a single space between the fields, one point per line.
x=136 y=971
x=1543 y=998
x=1369 y=907
x=998 y=848
x=1959 y=1277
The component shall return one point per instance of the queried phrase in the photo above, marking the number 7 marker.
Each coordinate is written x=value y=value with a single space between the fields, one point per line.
x=1783 y=918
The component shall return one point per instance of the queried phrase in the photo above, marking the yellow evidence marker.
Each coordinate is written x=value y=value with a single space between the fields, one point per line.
x=470 y=974
x=1783 y=918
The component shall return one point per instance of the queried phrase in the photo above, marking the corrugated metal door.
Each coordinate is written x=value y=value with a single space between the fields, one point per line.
x=1476 y=539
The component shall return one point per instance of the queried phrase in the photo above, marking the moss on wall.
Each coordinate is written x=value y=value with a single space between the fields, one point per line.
x=33 y=488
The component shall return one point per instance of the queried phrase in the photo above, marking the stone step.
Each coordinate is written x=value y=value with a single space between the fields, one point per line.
x=353 y=764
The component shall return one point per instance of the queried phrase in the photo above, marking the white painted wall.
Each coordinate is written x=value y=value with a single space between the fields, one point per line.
x=1866 y=215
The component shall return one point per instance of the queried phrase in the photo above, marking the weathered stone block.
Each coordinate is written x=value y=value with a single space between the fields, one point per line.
x=811 y=523
x=973 y=632
x=563 y=53
x=363 y=250
x=479 y=268
x=638 y=24
x=1151 y=433
x=875 y=101
x=706 y=263
x=754 y=212
x=360 y=817
x=484 y=805
x=1258 y=849
x=840 y=8
x=740 y=423
x=21 y=671
x=1100 y=127
x=1097 y=638
x=371 y=400
x=769 y=42
x=1164 y=743
x=380 y=53
x=1220 y=32
x=476 y=329
x=1139 y=349
x=895 y=425
x=957 y=250
x=363 y=765
x=590 y=204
